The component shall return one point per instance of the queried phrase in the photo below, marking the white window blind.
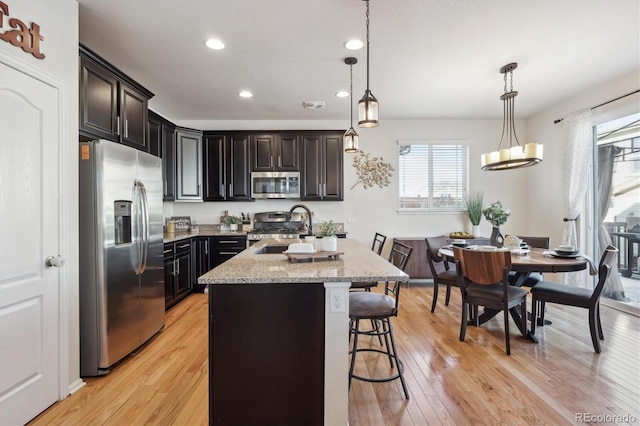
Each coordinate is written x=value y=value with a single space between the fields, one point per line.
x=433 y=176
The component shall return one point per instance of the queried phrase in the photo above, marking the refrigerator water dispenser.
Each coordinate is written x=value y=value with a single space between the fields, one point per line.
x=122 y=219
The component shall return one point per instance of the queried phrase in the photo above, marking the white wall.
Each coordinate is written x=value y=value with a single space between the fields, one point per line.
x=59 y=26
x=544 y=201
x=534 y=194
x=375 y=209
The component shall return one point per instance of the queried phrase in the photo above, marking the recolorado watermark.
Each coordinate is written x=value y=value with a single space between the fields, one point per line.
x=605 y=418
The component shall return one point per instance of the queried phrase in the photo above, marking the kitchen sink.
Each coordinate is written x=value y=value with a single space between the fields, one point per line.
x=270 y=249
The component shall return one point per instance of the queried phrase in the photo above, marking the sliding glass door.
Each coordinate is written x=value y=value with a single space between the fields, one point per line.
x=617 y=206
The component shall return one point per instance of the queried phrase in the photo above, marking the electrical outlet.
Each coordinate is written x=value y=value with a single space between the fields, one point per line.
x=336 y=297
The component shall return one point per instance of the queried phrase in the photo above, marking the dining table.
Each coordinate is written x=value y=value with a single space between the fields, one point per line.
x=524 y=263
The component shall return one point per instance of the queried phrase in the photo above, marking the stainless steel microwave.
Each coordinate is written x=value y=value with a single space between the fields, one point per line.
x=275 y=185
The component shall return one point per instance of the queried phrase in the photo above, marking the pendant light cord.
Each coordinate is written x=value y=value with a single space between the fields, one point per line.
x=367 y=45
x=351 y=94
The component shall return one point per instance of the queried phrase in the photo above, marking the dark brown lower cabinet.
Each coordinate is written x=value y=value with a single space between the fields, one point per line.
x=178 y=271
x=266 y=354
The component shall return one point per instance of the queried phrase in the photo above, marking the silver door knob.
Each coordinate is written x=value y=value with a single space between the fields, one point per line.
x=56 y=261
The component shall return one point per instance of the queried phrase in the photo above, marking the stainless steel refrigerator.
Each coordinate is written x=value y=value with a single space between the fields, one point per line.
x=121 y=253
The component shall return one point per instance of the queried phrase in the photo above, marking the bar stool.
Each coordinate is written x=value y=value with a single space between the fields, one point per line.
x=380 y=307
x=378 y=243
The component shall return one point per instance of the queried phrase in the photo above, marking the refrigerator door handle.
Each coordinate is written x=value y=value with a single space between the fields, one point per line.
x=143 y=227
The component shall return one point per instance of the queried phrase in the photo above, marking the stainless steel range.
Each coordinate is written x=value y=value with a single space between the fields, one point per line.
x=277 y=224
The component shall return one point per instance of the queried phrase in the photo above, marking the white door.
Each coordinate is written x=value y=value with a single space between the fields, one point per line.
x=29 y=233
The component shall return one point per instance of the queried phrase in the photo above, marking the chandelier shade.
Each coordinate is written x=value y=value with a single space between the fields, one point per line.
x=350 y=136
x=368 y=105
x=513 y=155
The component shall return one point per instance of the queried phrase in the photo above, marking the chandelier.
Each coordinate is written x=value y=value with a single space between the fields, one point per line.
x=350 y=136
x=515 y=155
x=368 y=105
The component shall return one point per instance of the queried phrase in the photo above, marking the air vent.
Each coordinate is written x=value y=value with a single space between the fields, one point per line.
x=313 y=104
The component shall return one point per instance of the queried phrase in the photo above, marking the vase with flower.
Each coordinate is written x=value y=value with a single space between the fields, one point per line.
x=496 y=215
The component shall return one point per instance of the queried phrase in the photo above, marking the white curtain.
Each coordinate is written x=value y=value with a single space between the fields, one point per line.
x=606 y=154
x=577 y=140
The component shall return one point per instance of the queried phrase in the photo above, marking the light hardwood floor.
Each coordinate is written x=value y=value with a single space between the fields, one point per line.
x=450 y=382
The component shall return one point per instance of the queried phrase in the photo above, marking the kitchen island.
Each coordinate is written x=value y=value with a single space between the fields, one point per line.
x=278 y=334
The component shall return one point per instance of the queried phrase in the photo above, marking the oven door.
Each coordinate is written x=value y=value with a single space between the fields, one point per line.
x=275 y=185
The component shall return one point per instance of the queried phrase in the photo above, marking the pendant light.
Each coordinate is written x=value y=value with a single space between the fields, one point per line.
x=350 y=136
x=368 y=105
x=515 y=156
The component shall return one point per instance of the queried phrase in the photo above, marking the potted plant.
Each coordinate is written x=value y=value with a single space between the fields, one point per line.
x=232 y=222
x=474 y=209
x=496 y=215
x=327 y=233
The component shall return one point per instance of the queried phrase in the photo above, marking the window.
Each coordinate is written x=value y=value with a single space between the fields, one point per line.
x=434 y=176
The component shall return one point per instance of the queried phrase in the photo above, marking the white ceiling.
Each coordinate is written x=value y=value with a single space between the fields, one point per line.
x=429 y=58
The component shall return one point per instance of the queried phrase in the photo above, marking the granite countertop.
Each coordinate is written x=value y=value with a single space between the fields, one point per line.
x=177 y=236
x=358 y=263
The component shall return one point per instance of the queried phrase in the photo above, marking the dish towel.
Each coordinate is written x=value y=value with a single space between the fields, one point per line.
x=593 y=269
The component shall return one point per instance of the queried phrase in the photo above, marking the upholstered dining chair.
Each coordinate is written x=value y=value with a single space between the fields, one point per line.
x=376 y=246
x=571 y=295
x=379 y=307
x=483 y=277
x=441 y=271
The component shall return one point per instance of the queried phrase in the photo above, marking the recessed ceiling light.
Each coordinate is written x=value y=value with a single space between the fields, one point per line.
x=214 y=44
x=245 y=94
x=342 y=94
x=353 y=44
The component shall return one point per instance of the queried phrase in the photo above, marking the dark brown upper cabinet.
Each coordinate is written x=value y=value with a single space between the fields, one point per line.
x=226 y=160
x=321 y=167
x=275 y=152
x=162 y=143
x=112 y=105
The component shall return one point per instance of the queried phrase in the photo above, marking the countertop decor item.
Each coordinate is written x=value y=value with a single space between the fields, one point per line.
x=232 y=222
x=496 y=215
x=371 y=171
x=328 y=231
x=515 y=155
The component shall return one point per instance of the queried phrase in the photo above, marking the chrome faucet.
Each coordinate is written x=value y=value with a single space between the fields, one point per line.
x=310 y=222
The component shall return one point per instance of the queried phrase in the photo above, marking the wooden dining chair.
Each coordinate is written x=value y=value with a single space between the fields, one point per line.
x=483 y=277
x=441 y=272
x=571 y=295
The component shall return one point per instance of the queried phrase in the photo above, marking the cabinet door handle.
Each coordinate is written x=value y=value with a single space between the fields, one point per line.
x=227 y=242
x=279 y=161
x=184 y=246
x=167 y=251
x=118 y=125
x=126 y=128
x=206 y=247
x=177 y=267
x=229 y=252
x=230 y=190
x=271 y=161
x=174 y=268
x=165 y=187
